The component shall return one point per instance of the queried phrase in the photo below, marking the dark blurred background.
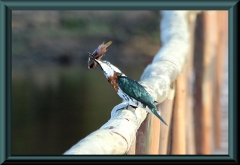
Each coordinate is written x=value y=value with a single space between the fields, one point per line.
x=56 y=99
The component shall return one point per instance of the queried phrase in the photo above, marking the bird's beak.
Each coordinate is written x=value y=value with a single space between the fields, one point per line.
x=93 y=58
x=97 y=61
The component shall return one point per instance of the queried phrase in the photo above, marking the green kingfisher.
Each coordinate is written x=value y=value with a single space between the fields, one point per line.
x=97 y=54
x=133 y=93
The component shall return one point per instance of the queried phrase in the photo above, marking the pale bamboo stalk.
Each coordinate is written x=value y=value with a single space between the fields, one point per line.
x=170 y=137
x=204 y=54
x=208 y=59
x=132 y=150
x=190 y=137
x=203 y=90
x=179 y=116
x=222 y=24
x=154 y=140
x=166 y=109
x=148 y=136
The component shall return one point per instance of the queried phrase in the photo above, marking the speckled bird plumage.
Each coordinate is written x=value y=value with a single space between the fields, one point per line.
x=128 y=89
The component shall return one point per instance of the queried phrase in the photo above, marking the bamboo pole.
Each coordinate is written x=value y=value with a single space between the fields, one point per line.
x=203 y=60
x=132 y=149
x=190 y=137
x=222 y=22
x=170 y=137
x=148 y=136
x=198 y=69
x=209 y=54
x=166 y=107
x=179 y=116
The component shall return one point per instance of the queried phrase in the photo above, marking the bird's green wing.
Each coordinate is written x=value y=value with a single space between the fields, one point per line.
x=136 y=91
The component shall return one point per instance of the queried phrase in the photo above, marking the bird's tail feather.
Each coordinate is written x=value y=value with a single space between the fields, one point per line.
x=154 y=111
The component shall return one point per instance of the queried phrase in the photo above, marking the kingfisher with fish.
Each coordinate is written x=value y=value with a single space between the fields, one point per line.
x=133 y=93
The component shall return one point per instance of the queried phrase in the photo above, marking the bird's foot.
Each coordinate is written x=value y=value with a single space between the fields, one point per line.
x=131 y=107
x=122 y=106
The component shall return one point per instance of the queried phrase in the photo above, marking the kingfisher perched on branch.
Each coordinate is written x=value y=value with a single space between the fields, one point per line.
x=128 y=89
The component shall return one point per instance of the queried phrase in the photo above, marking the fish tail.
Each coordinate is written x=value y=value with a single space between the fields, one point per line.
x=108 y=44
